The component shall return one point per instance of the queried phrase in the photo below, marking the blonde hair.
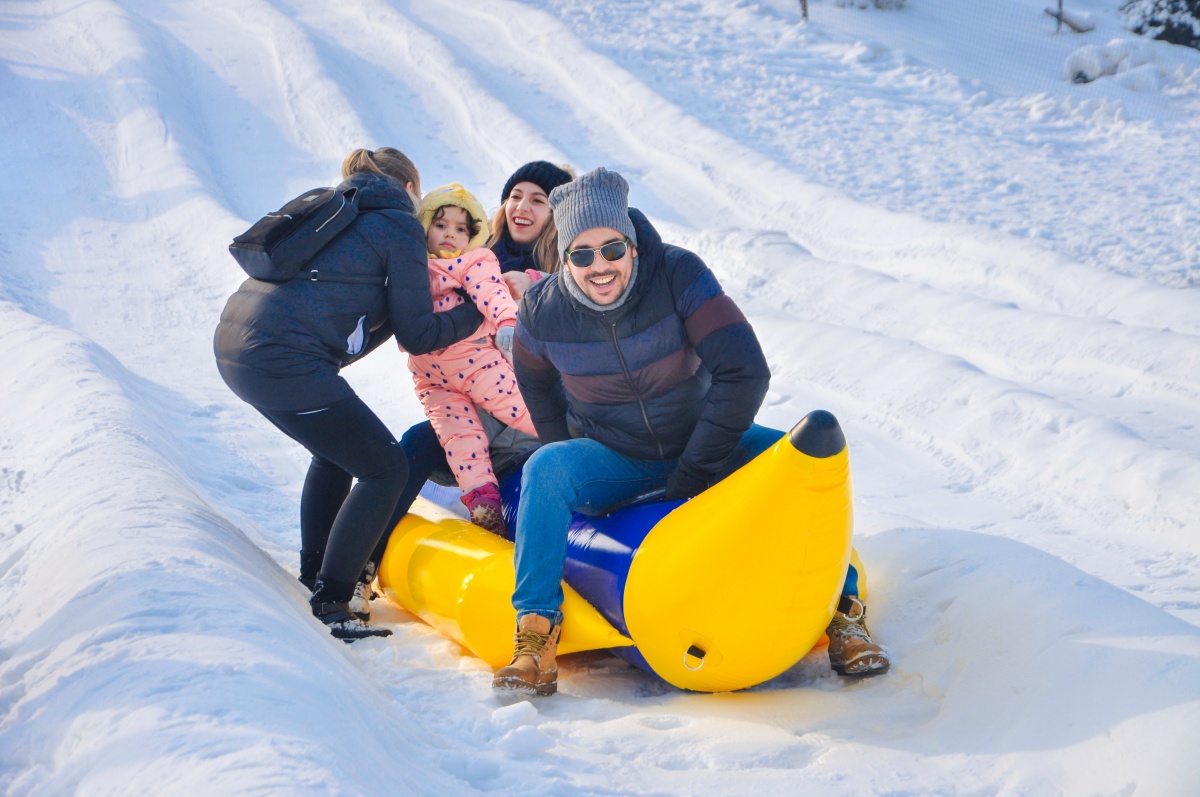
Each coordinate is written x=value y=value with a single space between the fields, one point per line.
x=386 y=161
x=545 y=248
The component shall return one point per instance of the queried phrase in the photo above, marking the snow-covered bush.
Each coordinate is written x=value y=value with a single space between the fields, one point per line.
x=1175 y=21
x=1132 y=61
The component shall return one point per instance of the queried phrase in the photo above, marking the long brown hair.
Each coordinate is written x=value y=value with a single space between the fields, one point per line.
x=387 y=161
x=545 y=248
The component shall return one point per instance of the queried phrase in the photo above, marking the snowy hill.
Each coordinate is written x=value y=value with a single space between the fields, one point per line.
x=989 y=273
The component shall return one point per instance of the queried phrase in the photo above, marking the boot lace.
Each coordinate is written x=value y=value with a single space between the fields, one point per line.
x=846 y=627
x=531 y=643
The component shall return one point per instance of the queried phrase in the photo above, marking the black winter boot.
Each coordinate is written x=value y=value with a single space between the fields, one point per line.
x=330 y=605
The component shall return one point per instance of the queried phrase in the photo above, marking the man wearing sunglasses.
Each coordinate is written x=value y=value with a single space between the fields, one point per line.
x=639 y=374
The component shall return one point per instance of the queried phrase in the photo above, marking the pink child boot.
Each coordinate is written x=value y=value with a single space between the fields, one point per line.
x=484 y=505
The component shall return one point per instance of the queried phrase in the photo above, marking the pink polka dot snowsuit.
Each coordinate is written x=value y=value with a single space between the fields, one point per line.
x=452 y=381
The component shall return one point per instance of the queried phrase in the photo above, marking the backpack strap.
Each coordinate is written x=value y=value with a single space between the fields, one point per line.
x=313 y=275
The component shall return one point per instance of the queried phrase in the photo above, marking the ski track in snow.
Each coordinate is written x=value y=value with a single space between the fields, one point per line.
x=993 y=287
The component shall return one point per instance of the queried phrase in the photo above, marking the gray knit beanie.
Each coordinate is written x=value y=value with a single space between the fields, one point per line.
x=599 y=198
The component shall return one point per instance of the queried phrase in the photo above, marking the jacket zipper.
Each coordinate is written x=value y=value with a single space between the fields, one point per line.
x=636 y=394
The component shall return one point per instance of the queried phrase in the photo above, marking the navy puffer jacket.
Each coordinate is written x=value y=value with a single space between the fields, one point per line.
x=674 y=372
x=279 y=344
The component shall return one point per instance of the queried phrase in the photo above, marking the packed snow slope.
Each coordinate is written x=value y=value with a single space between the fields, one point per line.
x=989 y=273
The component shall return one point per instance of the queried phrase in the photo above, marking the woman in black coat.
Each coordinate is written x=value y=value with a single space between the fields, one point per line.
x=280 y=346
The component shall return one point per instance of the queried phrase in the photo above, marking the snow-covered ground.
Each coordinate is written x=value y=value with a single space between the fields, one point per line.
x=989 y=273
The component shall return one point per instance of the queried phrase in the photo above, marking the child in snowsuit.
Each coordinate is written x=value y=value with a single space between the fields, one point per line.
x=477 y=371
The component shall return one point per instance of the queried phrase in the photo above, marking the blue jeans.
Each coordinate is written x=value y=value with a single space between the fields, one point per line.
x=584 y=476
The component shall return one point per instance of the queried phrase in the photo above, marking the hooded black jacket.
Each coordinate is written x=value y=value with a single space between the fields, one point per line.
x=279 y=346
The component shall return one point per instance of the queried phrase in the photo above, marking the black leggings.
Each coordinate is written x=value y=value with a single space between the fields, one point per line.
x=340 y=525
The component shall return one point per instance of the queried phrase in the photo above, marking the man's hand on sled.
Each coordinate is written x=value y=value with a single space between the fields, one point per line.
x=682 y=484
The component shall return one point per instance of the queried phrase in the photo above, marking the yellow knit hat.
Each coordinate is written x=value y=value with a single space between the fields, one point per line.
x=455 y=194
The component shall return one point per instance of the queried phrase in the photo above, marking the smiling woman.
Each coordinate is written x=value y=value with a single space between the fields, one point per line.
x=524 y=236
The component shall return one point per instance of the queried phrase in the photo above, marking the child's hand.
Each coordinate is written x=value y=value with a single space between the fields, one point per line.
x=504 y=341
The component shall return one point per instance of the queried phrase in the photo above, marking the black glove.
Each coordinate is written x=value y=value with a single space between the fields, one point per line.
x=682 y=484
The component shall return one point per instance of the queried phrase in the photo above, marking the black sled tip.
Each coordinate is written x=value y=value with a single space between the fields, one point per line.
x=818 y=435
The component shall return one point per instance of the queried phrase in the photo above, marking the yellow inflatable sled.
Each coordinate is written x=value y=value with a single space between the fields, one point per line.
x=718 y=593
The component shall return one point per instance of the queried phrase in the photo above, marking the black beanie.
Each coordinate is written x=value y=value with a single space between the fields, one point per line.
x=544 y=174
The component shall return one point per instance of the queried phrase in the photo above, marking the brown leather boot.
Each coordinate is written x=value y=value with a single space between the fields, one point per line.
x=532 y=668
x=851 y=649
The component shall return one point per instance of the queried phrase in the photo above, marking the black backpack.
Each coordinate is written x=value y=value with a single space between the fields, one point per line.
x=279 y=244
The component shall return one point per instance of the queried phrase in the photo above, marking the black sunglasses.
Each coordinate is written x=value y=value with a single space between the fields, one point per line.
x=582 y=258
